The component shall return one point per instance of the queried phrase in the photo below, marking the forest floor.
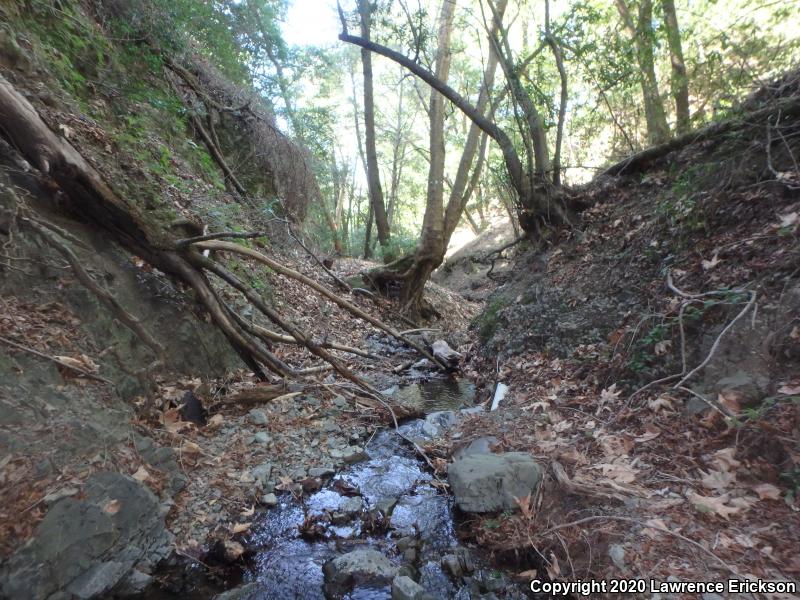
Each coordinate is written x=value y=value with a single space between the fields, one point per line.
x=652 y=364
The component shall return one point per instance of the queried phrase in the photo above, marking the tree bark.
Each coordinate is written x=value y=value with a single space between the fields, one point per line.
x=641 y=34
x=373 y=171
x=460 y=192
x=562 y=106
x=431 y=248
x=679 y=81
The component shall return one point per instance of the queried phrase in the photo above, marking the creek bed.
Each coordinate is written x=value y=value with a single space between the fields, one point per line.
x=394 y=480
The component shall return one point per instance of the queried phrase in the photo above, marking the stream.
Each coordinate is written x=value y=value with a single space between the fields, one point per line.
x=387 y=503
x=418 y=533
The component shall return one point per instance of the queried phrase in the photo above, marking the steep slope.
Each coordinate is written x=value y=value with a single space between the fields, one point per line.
x=652 y=357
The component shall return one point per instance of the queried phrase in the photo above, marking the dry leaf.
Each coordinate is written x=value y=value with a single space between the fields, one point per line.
x=713 y=505
x=653 y=526
x=112 y=507
x=789 y=389
x=82 y=362
x=724 y=460
x=788 y=219
x=710 y=264
x=65 y=131
x=767 y=491
x=188 y=447
x=717 y=480
x=661 y=348
x=141 y=474
x=553 y=569
x=619 y=472
x=650 y=433
x=661 y=403
x=248 y=512
x=240 y=527
x=215 y=421
x=232 y=550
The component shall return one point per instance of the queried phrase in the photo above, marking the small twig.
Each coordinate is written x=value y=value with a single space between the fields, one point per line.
x=419 y=330
x=83 y=372
x=712 y=403
x=335 y=277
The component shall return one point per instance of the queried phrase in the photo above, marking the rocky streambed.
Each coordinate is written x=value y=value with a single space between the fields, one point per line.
x=381 y=527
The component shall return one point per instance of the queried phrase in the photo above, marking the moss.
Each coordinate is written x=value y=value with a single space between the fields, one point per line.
x=489 y=320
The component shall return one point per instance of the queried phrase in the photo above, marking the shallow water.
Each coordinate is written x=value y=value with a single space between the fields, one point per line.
x=288 y=566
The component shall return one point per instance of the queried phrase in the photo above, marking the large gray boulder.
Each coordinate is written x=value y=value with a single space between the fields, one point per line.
x=85 y=548
x=359 y=567
x=489 y=482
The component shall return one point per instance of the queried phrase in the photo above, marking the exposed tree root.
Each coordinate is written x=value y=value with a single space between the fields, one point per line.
x=352 y=308
x=88 y=197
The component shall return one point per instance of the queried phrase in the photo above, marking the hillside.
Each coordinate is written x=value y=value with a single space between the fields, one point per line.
x=652 y=359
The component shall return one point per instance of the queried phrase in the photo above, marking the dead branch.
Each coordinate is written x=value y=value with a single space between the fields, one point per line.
x=102 y=294
x=283 y=270
x=287 y=339
x=216 y=153
x=611 y=490
x=683 y=538
x=342 y=283
x=640 y=161
x=262 y=394
x=714 y=347
x=273 y=316
x=184 y=242
x=59 y=362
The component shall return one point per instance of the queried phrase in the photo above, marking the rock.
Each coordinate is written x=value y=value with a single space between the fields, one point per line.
x=405 y=588
x=617 y=555
x=85 y=547
x=437 y=422
x=386 y=505
x=135 y=583
x=321 y=472
x=243 y=592
x=269 y=500
x=57 y=495
x=348 y=509
x=364 y=566
x=490 y=482
x=261 y=473
x=442 y=351
x=481 y=445
x=750 y=390
x=340 y=402
x=696 y=407
x=352 y=454
x=458 y=564
x=258 y=416
x=262 y=437
x=331 y=427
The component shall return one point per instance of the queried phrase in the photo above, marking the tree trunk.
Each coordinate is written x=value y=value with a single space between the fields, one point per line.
x=431 y=249
x=679 y=81
x=460 y=192
x=642 y=35
x=373 y=171
x=562 y=106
